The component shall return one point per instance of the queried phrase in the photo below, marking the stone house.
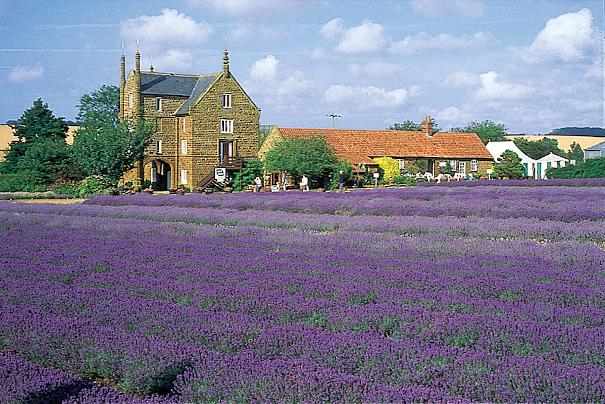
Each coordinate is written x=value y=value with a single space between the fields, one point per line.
x=464 y=151
x=202 y=122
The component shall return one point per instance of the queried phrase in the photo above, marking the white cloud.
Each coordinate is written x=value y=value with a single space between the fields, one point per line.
x=423 y=41
x=595 y=71
x=264 y=69
x=240 y=7
x=20 y=74
x=367 y=37
x=461 y=78
x=453 y=116
x=253 y=32
x=295 y=83
x=333 y=29
x=370 y=96
x=492 y=90
x=567 y=37
x=165 y=37
x=437 y=8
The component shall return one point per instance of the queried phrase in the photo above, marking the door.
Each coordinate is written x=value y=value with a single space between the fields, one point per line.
x=462 y=167
x=539 y=171
x=525 y=169
x=225 y=149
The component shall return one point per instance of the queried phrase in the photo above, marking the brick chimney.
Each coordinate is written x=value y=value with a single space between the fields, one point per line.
x=427 y=126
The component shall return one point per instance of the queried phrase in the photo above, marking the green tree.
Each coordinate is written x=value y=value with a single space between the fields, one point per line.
x=591 y=168
x=311 y=156
x=486 y=130
x=575 y=152
x=100 y=108
x=536 y=149
x=44 y=160
x=245 y=177
x=508 y=166
x=103 y=146
x=36 y=123
x=413 y=126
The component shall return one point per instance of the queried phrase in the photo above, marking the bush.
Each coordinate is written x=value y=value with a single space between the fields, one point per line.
x=404 y=180
x=24 y=181
x=390 y=167
x=591 y=168
x=245 y=177
x=94 y=185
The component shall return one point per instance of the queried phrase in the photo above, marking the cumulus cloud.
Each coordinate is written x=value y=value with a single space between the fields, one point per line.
x=437 y=8
x=367 y=37
x=424 y=41
x=293 y=84
x=333 y=29
x=461 y=78
x=370 y=96
x=20 y=74
x=264 y=69
x=453 y=116
x=240 y=7
x=161 y=35
x=567 y=37
x=491 y=89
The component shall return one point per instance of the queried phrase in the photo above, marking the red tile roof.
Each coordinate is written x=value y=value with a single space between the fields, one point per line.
x=360 y=146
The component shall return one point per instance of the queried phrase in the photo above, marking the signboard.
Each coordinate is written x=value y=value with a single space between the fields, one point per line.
x=376 y=175
x=220 y=174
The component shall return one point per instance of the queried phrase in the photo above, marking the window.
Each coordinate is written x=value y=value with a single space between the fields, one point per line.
x=462 y=167
x=184 y=146
x=158 y=146
x=226 y=100
x=184 y=125
x=183 y=176
x=130 y=100
x=226 y=125
x=453 y=164
x=401 y=164
x=158 y=103
x=474 y=165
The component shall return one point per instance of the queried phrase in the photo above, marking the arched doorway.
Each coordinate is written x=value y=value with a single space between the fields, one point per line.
x=159 y=175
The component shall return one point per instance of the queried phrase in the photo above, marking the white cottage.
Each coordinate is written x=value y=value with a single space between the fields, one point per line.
x=531 y=168
x=549 y=161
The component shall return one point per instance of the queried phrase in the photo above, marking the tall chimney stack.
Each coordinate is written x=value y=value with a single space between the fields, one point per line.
x=427 y=126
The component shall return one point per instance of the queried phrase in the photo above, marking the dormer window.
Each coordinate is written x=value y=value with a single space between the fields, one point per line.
x=158 y=103
x=226 y=100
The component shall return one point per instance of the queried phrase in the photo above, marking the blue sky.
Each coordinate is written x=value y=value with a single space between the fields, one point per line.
x=531 y=65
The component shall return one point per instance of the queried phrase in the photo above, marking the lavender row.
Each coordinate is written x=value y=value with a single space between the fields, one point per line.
x=554 y=182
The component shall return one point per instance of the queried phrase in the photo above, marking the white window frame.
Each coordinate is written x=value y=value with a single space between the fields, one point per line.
x=454 y=164
x=158 y=147
x=462 y=167
x=226 y=100
x=401 y=163
x=184 y=125
x=226 y=125
x=184 y=177
x=474 y=165
x=130 y=100
x=184 y=146
x=158 y=104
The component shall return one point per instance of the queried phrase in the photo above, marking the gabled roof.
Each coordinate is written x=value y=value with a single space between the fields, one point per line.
x=202 y=83
x=552 y=157
x=154 y=83
x=361 y=146
x=497 y=148
x=598 y=146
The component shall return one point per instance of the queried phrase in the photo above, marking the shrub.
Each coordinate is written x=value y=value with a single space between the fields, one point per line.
x=404 y=180
x=390 y=167
x=94 y=185
x=591 y=168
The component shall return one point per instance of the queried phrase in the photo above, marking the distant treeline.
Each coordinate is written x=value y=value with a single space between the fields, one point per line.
x=585 y=131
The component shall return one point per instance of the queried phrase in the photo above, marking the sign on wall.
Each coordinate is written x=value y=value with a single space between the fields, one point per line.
x=220 y=174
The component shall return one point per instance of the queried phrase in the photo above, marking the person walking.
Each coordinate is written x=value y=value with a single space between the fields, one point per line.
x=304 y=183
x=258 y=183
x=342 y=179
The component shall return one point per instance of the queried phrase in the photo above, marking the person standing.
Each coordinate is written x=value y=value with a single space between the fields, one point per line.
x=258 y=183
x=342 y=179
x=304 y=183
x=284 y=180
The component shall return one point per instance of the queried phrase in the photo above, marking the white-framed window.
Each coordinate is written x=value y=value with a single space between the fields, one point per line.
x=184 y=146
x=474 y=165
x=226 y=125
x=401 y=163
x=226 y=100
x=184 y=177
x=130 y=100
x=462 y=167
x=158 y=103
x=184 y=125
x=453 y=164
x=158 y=146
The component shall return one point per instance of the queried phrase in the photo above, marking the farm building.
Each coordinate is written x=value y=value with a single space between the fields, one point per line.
x=595 y=151
x=464 y=151
x=531 y=167
x=202 y=121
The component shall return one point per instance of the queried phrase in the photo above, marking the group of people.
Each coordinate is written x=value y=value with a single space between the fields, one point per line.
x=304 y=182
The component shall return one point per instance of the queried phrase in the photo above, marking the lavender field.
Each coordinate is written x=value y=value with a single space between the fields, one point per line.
x=423 y=294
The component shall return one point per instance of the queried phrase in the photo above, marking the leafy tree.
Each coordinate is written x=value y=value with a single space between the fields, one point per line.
x=508 y=166
x=100 y=108
x=44 y=159
x=110 y=151
x=311 y=156
x=102 y=145
x=591 y=168
x=413 y=126
x=486 y=130
x=245 y=177
x=536 y=149
x=38 y=122
x=575 y=152
x=389 y=166
x=334 y=179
